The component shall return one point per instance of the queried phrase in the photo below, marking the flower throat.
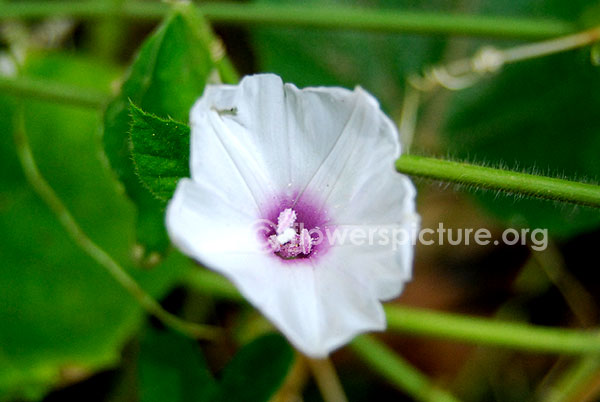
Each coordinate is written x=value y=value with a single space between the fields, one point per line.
x=289 y=241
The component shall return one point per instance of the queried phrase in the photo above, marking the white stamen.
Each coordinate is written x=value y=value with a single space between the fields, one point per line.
x=288 y=235
x=305 y=241
x=286 y=220
x=274 y=244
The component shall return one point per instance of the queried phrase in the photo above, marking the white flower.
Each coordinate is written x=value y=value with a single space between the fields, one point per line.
x=292 y=197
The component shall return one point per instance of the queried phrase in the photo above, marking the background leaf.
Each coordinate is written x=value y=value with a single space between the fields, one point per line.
x=172 y=368
x=65 y=321
x=536 y=116
x=61 y=312
x=160 y=150
x=257 y=370
x=378 y=62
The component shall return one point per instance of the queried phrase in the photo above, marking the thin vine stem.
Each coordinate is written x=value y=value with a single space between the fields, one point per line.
x=338 y=17
x=68 y=222
x=466 y=72
x=398 y=371
x=507 y=181
x=463 y=73
x=489 y=332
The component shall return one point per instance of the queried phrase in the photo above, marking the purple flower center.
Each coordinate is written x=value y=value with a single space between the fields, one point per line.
x=290 y=241
x=295 y=230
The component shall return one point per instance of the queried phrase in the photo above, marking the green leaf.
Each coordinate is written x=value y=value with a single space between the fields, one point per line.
x=169 y=73
x=60 y=311
x=257 y=370
x=538 y=116
x=172 y=368
x=161 y=151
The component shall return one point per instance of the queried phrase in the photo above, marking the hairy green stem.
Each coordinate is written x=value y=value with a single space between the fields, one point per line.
x=490 y=332
x=339 y=17
x=436 y=169
x=47 y=194
x=398 y=371
x=432 y=168
x=501 y=180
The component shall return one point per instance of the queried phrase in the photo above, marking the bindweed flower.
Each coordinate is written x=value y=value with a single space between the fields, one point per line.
x=294 y=198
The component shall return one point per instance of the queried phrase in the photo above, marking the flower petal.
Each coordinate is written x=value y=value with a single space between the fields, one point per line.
x=276 y=135
x=382 y=208
x=347 y=304
x=317 y=308
x=381 y=258
x=363 y=193
x=359 y=171
x=220 y=158
x=201 y=219
x=262 y=139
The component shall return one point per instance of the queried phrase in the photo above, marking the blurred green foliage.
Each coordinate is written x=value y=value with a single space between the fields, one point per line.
x=256 y=371
x=61 y=313
x=377 y=62
x=172 y=368
x=538 y=116
x=59 y=310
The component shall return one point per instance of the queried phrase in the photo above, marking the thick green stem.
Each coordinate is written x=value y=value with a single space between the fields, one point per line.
x=501 y=180
x=491 y=332
x=339 y=17
x=398 y=371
